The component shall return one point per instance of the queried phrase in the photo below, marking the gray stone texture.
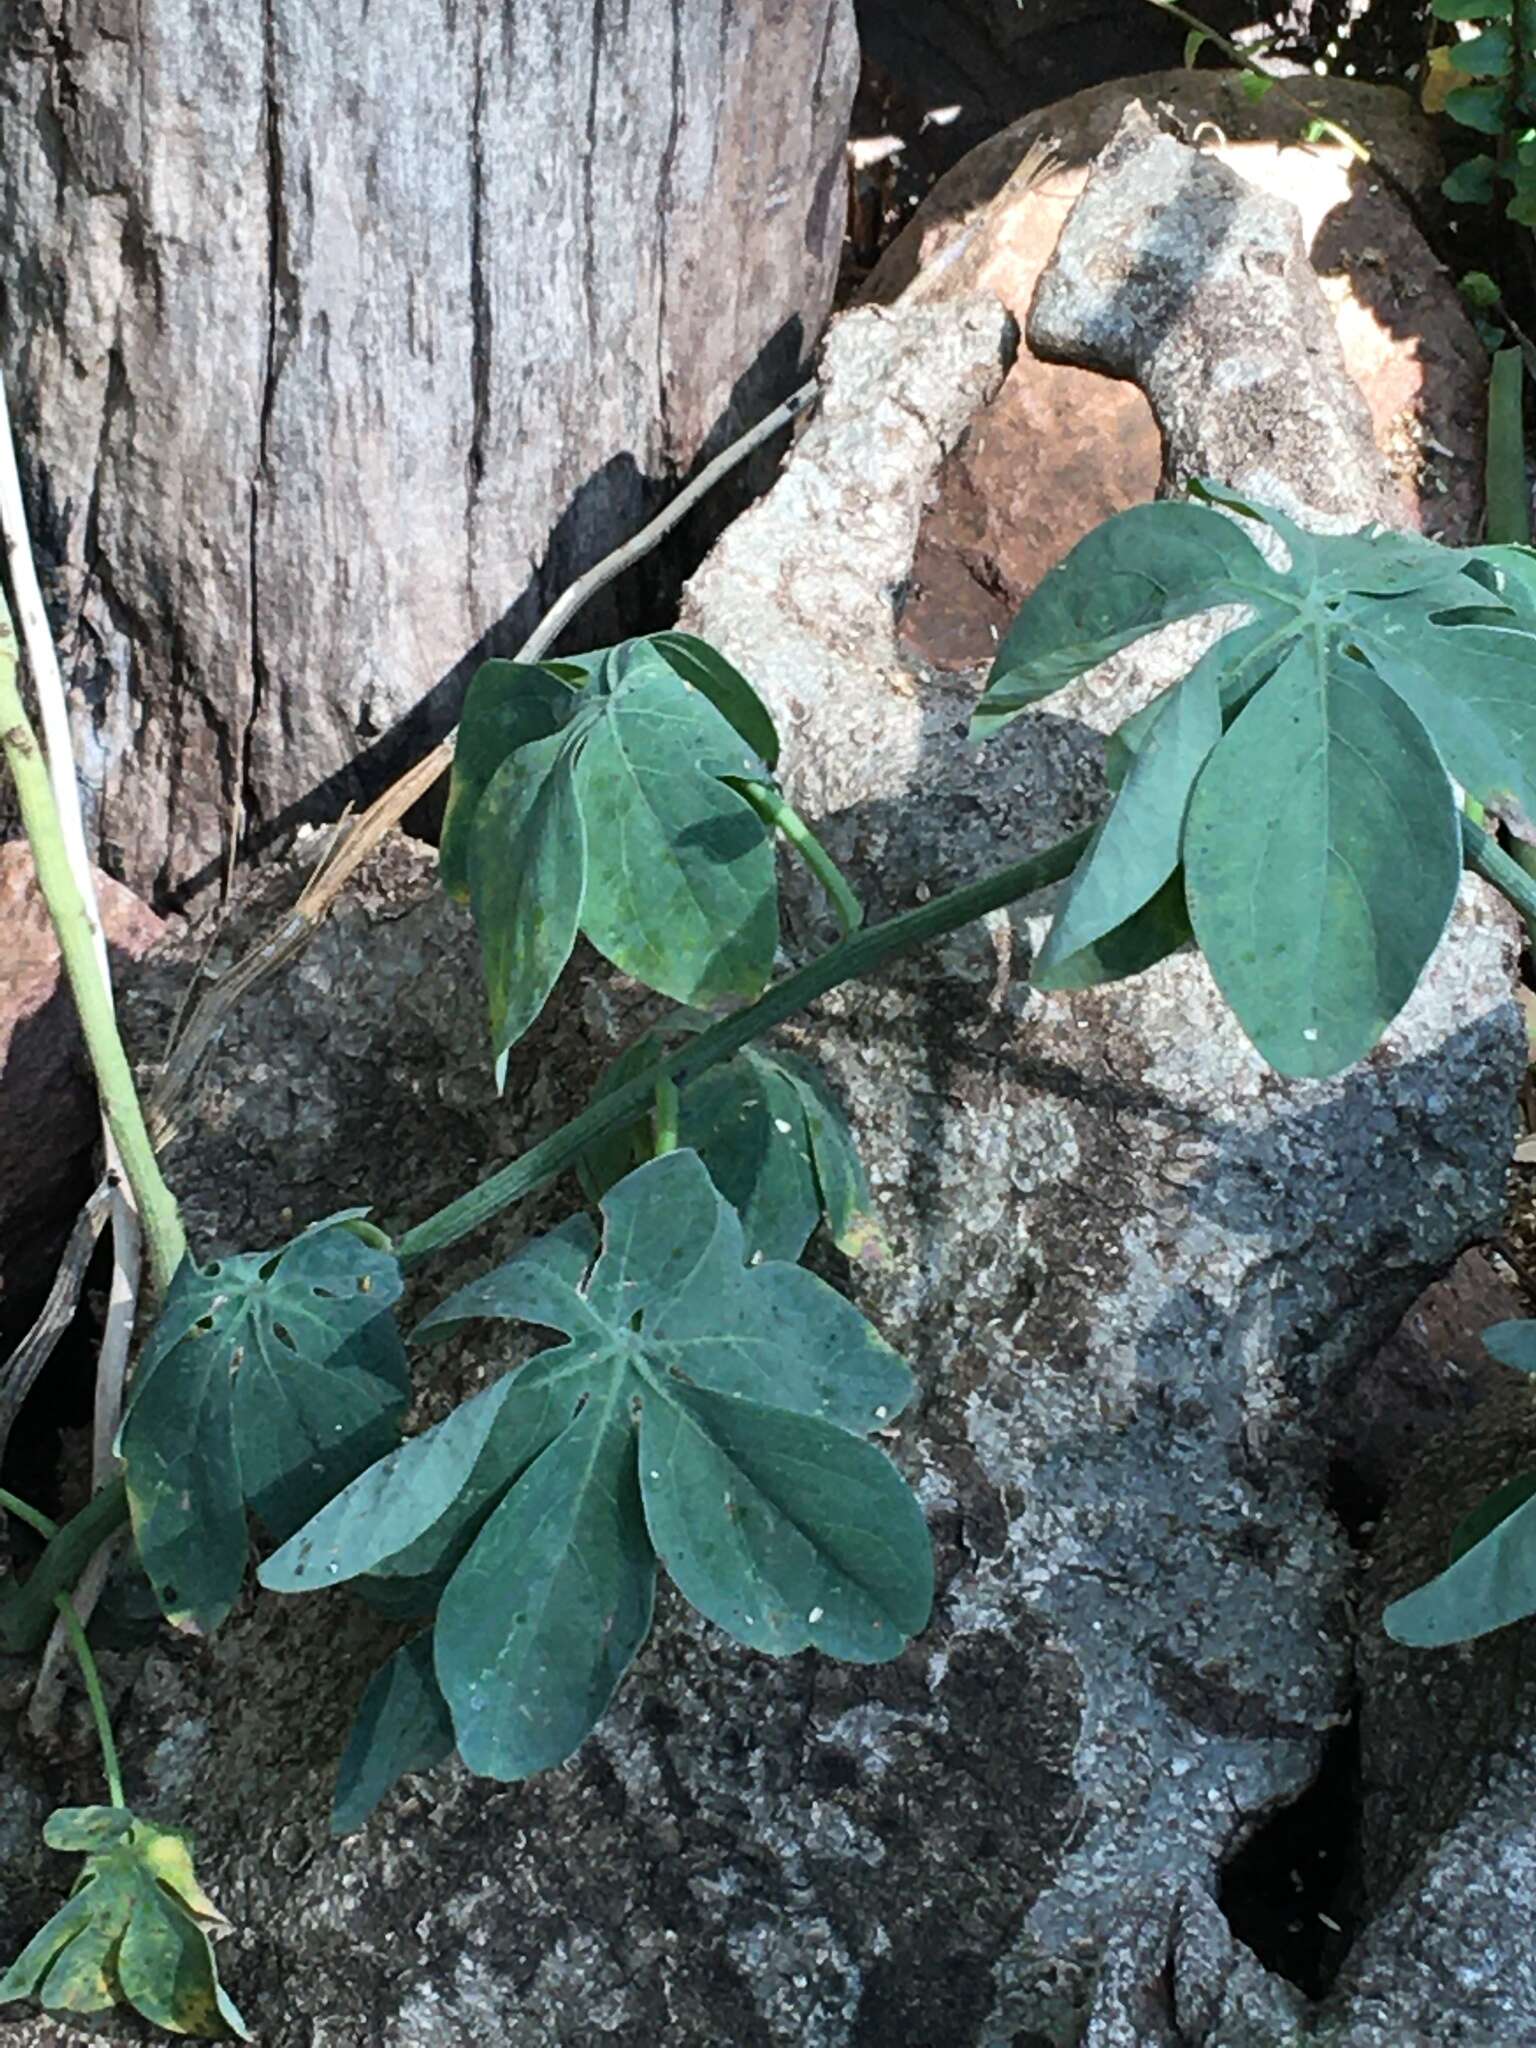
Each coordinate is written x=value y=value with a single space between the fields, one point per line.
x=1131 y=1267
x=339 y=339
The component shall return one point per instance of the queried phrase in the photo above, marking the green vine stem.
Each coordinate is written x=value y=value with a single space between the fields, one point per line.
x=668 y=1110
x=97 y=1698
x=859 y=954
x=35 y=1519
x=779 y=813
x=77 y=948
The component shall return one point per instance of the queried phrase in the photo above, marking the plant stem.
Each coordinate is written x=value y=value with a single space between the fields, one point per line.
x=26 y=1614
x=77 y=949
x=33 y=1517
x=97 y=1698
x=777 y=811
x=859 y=954
x=1489 y=860
x=667 y=1112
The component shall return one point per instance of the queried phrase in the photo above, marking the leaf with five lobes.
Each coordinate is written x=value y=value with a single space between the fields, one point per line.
x=402 y=1724
x=786 y=1531
x=1142 y=569
x=528 y=879
x=262 y=1381
x=1473 y=689
x=510 y=704
x=135 y=1931
x=1488 y=1586
x=725 y=687
x=1136 y=849
x=1315 y=923
x=681 y=890
x=545 y=1615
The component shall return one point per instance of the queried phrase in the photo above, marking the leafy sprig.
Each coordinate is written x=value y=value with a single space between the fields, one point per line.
x=703 y=1412
x=134 y=1931
x=1291 y=801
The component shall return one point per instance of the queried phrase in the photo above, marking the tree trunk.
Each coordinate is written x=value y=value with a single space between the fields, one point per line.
x=340 y=338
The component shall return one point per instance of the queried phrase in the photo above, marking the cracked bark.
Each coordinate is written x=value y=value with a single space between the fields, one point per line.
x=339 y=343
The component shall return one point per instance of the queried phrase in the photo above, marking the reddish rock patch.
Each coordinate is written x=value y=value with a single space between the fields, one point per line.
x=48 y=1120
x=1060 y=449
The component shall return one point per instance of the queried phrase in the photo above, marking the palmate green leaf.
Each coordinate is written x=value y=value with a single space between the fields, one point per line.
x=402 y=1725
x=1472 y=183
x=1318 y=854
x=270 y=1380
x=774 y=1140
x=1142 y=569
x=1322 y=854
x=597 y=796
x=1489 y=55
x=135 y=1931
x=545 y=1608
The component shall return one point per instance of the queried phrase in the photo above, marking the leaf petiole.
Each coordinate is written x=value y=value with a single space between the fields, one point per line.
x=97 y=1698
x=777 y=811
x=667 y=1113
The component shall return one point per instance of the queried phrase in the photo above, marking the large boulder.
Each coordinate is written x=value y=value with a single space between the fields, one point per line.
x=339 y=340
x=1131 y=1267
x=1063 y=446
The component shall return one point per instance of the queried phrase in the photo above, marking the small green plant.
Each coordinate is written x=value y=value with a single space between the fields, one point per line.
x=1497 y=100
x=1293 y=806
x=136 y=1929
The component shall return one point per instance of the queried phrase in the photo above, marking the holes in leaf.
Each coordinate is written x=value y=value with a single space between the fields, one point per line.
x=284 y=1337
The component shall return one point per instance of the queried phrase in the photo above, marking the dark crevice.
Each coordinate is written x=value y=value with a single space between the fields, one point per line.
x=282 y=319
x=588 y=195
x=479 y=288
x=1292 y=1893
x=663 y=215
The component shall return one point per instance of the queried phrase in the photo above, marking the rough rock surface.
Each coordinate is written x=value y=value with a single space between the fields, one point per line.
x=1062 y=447
x=1130 y=1264
x=48 y=1119
x=339 y=340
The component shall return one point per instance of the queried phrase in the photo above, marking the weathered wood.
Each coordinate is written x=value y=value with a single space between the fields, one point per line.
x=340 y=338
